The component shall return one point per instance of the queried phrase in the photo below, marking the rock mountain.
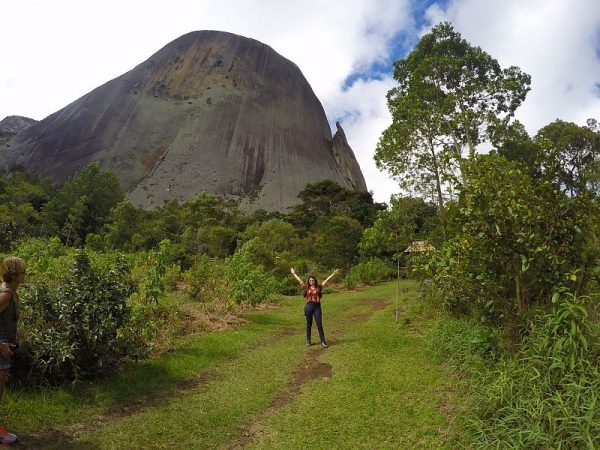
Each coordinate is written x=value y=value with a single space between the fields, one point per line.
x=15 y=124
x=211 y=111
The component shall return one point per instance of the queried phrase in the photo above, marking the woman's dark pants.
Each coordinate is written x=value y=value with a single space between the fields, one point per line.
x=314 y=309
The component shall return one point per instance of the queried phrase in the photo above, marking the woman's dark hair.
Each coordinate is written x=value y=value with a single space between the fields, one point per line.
x=316 y=285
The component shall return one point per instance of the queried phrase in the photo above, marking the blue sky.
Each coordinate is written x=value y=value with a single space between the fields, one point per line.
x=55 y=52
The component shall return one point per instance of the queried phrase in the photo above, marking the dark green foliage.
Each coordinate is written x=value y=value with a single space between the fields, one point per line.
x=90 y=210
x=516 y=240
x=369 y=272
x=81 y=324
x=450 y=97
x=569 y=155
x=514 y=144
x=123 y=222
x=76 y=331
x=277 y=248
x=21 y=202
x=277 y=234
x=205 y=279
x=405 y=220
x=83 y=204
x=20 y=189
x=247 y=281
x=520 y=242
x=335 y=241
x=564 y=153
x=327 y=198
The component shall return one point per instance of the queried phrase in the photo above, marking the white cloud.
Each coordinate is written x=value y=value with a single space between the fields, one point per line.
x=554 y=41
x=364 y=116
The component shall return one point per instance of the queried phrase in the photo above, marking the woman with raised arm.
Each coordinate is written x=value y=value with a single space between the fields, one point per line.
x=312 y=294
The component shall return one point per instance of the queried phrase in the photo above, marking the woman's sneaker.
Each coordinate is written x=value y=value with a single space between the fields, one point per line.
x=6 y=437
x=324 y=344
x=308 y=343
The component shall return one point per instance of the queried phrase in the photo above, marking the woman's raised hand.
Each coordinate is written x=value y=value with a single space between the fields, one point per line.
x=293 y=271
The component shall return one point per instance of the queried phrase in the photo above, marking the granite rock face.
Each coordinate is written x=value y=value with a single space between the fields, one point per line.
x=15 y=124
x=211 y=111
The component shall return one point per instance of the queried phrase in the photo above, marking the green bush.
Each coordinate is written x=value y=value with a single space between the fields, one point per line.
x=372 y=271
x=516 y=239
x=172 y=276
x=153 y=286
x=76 y=331
x=206 y=279
x=46 y=258
x=247 y=281
x=94 y=242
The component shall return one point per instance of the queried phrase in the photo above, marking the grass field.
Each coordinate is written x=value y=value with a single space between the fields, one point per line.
x=258 y=386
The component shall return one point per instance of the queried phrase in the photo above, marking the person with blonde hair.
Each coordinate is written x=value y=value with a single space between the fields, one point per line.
x=12 y=271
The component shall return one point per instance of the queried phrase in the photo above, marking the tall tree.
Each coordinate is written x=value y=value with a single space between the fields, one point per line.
x=327 y=198
x=514 y=143
x=450 y=96
x=406 y=219
x=94 y=191
x=569 y=155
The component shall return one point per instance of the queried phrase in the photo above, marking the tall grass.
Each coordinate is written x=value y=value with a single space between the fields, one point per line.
x=546 y=395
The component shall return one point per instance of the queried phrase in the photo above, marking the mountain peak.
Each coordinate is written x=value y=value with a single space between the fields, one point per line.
x=210 y=111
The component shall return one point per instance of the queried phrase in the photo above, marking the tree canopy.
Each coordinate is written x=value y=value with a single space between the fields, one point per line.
x=450 y=97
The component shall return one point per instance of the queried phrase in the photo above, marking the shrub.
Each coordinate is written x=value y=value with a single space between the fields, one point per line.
x=76 y=331
x=153 y=286
x=94 y=242
x=45 y=257
x=372 y=271
x=247 y=281
x=171 y=277
x=516 y=240
x=205 y=279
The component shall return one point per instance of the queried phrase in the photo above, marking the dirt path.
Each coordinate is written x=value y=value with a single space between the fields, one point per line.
x=309 y=369
x=67 y=436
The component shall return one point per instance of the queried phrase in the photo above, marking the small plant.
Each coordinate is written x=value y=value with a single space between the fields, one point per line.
x=154 y=286
x=172 y=276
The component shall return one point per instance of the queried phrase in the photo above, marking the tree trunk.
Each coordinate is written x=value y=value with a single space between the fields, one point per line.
x=438 y=187
x=518 y=287
x=436 y=173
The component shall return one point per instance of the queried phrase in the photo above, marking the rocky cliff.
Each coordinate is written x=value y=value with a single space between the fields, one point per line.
x=15 y=124
x=211 y=111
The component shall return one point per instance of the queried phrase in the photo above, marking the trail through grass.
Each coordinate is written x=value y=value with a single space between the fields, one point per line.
x=259 y=387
